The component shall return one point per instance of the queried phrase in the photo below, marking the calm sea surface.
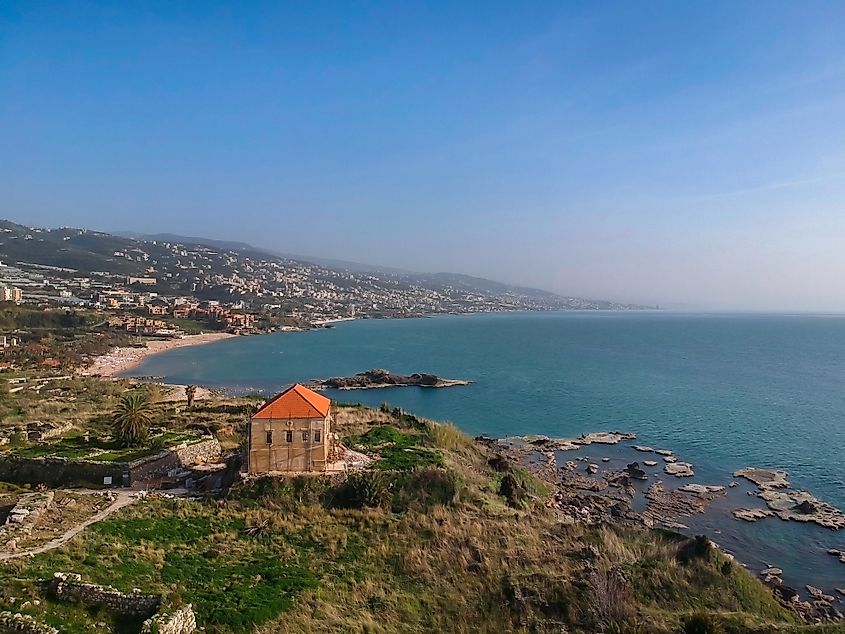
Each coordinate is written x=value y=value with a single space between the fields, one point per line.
x=722 y=391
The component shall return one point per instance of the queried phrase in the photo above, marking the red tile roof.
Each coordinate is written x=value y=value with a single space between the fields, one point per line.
x=295 y=402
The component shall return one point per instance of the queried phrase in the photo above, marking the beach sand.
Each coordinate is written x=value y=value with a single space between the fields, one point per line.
x=120 y=360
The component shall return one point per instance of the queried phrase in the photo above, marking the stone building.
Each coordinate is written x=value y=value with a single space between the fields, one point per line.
x=292 y=433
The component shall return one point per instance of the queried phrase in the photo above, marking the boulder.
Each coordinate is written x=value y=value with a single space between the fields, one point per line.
x=634 y=471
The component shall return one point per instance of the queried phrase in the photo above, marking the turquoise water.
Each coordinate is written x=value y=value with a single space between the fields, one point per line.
x=722 y=391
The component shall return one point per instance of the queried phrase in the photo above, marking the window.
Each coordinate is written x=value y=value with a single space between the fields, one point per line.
x=305 y=436
x=288 y=436
x=317 y=435
x=269 y=436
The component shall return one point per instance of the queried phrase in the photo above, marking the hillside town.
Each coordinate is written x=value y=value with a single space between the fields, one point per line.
x=147 y=287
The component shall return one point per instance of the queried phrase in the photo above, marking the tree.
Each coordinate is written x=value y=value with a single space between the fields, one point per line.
x=190 y=393
x=132 y=417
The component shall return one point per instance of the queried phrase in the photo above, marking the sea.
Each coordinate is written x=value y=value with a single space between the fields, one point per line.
x=723 y=391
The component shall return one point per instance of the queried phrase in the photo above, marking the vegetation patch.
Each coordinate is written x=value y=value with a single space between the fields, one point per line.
x=397 y=451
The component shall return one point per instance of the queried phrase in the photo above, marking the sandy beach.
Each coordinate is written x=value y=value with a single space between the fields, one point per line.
x=120 y=360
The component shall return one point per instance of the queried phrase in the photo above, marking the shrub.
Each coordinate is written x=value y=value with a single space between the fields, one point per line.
x=702 y=623
x=367 y=488
x=697 y=548
x=423 y=489
x=512 y=490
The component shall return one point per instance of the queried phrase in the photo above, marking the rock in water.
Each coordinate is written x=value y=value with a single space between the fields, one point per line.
x=379 y=377
x=679 y=469
x=635 y=472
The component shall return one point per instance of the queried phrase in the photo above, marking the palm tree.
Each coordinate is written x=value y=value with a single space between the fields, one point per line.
x=132 y=417
x=190 y=392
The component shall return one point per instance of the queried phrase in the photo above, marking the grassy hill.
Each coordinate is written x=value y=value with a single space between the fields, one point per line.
x=431 y=538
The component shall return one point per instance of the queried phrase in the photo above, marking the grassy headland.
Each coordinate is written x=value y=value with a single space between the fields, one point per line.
x=433 y=537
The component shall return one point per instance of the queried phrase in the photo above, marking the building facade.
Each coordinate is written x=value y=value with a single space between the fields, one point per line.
x=11 y=294
x=291 y=433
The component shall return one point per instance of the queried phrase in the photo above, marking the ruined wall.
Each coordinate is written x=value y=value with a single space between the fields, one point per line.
x=12 y=622
x=182 y=621
x=174 y=458
x=69 y=587
x=59 y=472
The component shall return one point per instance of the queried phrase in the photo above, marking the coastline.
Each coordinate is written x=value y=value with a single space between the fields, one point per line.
x=120 y=360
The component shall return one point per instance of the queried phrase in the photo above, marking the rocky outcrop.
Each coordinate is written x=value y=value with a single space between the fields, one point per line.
x=380 y=378
x=801 y=506
x=786 y=503
x=764 y=478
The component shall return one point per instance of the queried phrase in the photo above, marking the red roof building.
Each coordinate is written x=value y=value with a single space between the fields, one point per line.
x=291 y=433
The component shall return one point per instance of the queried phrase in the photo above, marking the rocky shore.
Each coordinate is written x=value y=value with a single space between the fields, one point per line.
x=380 y=378
x=787 y=504
x=624 y=489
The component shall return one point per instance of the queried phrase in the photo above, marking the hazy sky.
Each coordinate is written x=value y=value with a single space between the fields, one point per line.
x=671 y=152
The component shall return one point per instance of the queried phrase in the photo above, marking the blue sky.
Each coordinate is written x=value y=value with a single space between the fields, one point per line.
x=671 y=152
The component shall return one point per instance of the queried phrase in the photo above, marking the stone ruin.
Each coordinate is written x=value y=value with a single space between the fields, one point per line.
x=36 y=430
x=70 y=587
x=27 y=510
x=181 y=621
x=14 y=622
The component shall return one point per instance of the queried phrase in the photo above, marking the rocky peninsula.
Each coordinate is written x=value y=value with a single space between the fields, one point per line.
x=381 y=378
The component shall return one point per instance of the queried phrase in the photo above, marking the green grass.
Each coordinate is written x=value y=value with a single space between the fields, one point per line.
x=398 y=451
x=75 y=447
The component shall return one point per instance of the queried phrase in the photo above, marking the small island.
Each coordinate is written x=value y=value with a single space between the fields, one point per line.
x=380 y=378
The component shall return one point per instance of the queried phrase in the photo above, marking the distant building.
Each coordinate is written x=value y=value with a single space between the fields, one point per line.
x=292 y=433
x=11 y=294
x=148 y=281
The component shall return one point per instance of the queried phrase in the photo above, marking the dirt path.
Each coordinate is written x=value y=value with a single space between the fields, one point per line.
x=124 y=498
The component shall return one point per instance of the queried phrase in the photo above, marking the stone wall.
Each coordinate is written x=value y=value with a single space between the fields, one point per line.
x=13 y=622
x=69 y=587
x=182 y=621
x=59 y=472
x=174 y=458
